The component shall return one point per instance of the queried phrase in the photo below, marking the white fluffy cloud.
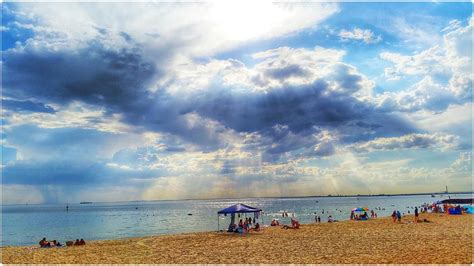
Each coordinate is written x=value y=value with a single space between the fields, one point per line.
x=452 y=56
x=445 y=70
x=201 y=28
x=359 y=34
x=463 y=163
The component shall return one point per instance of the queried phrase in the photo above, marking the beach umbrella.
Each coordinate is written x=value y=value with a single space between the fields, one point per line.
x=360 y=209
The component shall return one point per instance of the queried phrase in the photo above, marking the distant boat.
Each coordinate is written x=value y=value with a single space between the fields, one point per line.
x=85 y=202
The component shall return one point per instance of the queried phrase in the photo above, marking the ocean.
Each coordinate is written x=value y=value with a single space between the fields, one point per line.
x=27 y=224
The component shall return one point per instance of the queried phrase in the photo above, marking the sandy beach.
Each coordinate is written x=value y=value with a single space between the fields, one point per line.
x=447 y=239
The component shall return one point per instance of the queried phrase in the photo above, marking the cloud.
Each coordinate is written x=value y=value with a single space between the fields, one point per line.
x=424 y=95
x=406 y=142
x=445 y=72
x=414 y=30
x=359 y=34
x=72 y=173
x=303 y=89
x=348 y=174
x=162 y=26
x=463 y=163
x=44 y=144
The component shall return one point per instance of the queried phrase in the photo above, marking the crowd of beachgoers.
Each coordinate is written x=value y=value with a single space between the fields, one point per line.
x=43 y=243
x=356 y=214
x=244 y=226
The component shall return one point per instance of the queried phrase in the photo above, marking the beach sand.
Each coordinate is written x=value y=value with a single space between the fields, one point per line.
x=448 y=239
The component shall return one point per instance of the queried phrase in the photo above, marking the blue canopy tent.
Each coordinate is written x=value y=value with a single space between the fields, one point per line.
x=238 y=208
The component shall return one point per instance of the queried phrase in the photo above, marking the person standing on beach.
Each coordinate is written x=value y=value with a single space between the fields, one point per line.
x=416 y=214
x=319 y=219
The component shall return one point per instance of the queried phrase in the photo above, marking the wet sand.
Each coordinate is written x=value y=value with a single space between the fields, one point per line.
x=447 y=239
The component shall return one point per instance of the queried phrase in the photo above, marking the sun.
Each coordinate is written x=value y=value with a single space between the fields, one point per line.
x=246 y=20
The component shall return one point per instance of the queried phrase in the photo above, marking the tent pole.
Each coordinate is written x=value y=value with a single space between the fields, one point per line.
x=217 y=222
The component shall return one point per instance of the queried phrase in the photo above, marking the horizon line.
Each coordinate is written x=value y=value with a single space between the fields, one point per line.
x=265 y=197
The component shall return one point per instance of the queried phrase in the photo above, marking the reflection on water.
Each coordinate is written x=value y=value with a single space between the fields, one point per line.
x=27 y=224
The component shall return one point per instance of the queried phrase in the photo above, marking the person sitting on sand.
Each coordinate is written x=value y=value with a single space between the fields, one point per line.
x=57 y=244
x=330 y=219
x=256 y=228
x=274 y=223
x=82 y=242
x=241 y=224
x=399 y=216
x=394 y=216
x=295 y=224
x=77 y=243
x=44 y=243
x=232 y=227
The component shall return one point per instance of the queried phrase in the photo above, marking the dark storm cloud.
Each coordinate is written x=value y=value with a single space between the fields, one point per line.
x=300 y=108
x=95 y=75
x=27 y=106
x=120 y=81
x=116 y=80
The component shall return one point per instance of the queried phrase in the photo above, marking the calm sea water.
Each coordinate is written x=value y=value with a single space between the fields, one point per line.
x=27 y=224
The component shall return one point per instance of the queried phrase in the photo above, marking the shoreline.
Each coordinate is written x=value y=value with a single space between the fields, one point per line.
x=446 y=239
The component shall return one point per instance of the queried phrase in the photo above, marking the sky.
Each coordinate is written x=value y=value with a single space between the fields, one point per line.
x=150 y=101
